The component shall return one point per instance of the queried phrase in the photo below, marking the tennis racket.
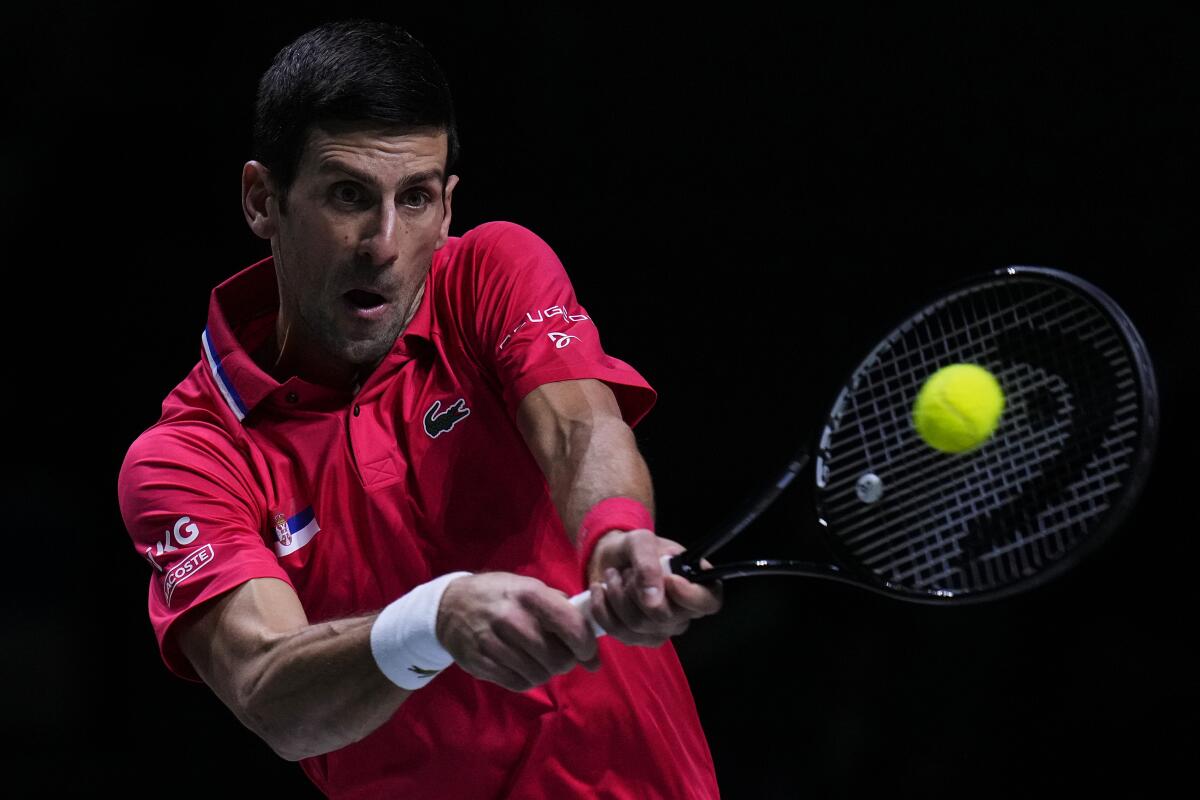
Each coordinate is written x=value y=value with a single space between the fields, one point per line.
x=1065 y=465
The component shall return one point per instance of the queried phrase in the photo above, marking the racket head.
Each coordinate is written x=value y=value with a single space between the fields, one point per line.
x=1067 y=462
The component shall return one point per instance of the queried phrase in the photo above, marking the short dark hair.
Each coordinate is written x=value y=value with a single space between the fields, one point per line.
x=349 y=71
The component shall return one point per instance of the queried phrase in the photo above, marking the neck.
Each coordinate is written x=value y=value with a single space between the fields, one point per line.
x=287 y=352
x=283 y=355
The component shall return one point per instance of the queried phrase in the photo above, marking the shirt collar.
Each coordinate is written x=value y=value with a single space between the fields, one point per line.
x=241 y=313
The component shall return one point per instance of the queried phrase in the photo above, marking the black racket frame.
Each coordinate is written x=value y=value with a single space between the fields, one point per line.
x=687 y=564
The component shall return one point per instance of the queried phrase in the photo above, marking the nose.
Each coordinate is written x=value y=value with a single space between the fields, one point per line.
x=380 y=239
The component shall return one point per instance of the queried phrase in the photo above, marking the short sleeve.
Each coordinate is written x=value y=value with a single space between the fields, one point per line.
x=190 y=508
x=529 y=326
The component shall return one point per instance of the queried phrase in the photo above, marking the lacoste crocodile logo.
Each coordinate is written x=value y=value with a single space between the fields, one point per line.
x=422 y=673
x=438 y=423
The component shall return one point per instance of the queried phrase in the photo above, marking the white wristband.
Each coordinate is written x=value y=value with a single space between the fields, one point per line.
x=403 y=637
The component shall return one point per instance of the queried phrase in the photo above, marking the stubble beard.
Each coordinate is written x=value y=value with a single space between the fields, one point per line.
x=359 y=353
x=366 y=353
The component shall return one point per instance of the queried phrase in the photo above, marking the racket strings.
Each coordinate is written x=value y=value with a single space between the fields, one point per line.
x=920 y=466
x=898 y=403
x=1007 y=494
x=1000 y=549
x=897 y=389
x=1026 y=498
x=918 y=462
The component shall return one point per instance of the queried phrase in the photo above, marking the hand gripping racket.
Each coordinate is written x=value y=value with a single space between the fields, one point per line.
x=1065 y=465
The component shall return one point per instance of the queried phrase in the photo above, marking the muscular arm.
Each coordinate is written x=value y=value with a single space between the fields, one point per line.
x=311 y=689
x=576 y=433
x=304 y=689
x=585 y=449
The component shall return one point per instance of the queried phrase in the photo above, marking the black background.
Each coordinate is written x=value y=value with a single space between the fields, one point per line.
x=746 y=200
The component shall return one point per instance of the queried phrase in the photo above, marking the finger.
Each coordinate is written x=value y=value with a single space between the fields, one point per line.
x=696 y=600
x=600 y=613
x=506 y=647
x=633 y=627
x=487 y=668
x=565 y=623
x=669 y=547
x=616 y=593
x=542 y=656
x=647 y=588
x=603 y=611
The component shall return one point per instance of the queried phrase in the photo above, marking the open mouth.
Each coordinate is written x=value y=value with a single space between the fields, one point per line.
x=364 y=300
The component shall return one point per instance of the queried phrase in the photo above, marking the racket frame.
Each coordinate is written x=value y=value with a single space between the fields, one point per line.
x=847 y=569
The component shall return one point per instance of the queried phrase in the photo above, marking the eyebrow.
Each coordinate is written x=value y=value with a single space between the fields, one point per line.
x=362 y=177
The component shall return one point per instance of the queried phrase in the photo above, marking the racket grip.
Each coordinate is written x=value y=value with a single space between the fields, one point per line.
x=583 y=600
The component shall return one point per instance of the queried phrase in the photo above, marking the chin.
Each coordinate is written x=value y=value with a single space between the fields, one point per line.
x=366 y=353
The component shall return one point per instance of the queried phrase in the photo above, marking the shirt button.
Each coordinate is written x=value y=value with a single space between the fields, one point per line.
x=292 y=397
x=356 y=409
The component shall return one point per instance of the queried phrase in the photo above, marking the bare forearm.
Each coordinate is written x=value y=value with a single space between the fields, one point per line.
x=586 y=451
x=576 y=432
x=601 y=460
x=319 y=689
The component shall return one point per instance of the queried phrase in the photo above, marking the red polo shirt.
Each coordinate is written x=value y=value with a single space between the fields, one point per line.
x=354 y=499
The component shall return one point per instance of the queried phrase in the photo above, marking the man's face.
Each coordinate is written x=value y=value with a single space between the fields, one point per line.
x=365 y=214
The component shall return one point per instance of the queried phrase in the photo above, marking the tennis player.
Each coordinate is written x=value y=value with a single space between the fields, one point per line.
x=400 y=452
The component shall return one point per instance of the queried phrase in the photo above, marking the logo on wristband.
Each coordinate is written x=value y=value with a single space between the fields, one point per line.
x=423 y=674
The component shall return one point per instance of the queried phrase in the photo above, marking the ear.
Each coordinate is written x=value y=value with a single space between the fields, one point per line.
x=444 y=233
x=259 y=200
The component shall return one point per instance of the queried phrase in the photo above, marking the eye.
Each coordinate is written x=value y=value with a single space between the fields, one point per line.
x=347 y=193
x=417 y=198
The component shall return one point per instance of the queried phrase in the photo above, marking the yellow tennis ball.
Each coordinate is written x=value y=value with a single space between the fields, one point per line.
x=958 y=408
